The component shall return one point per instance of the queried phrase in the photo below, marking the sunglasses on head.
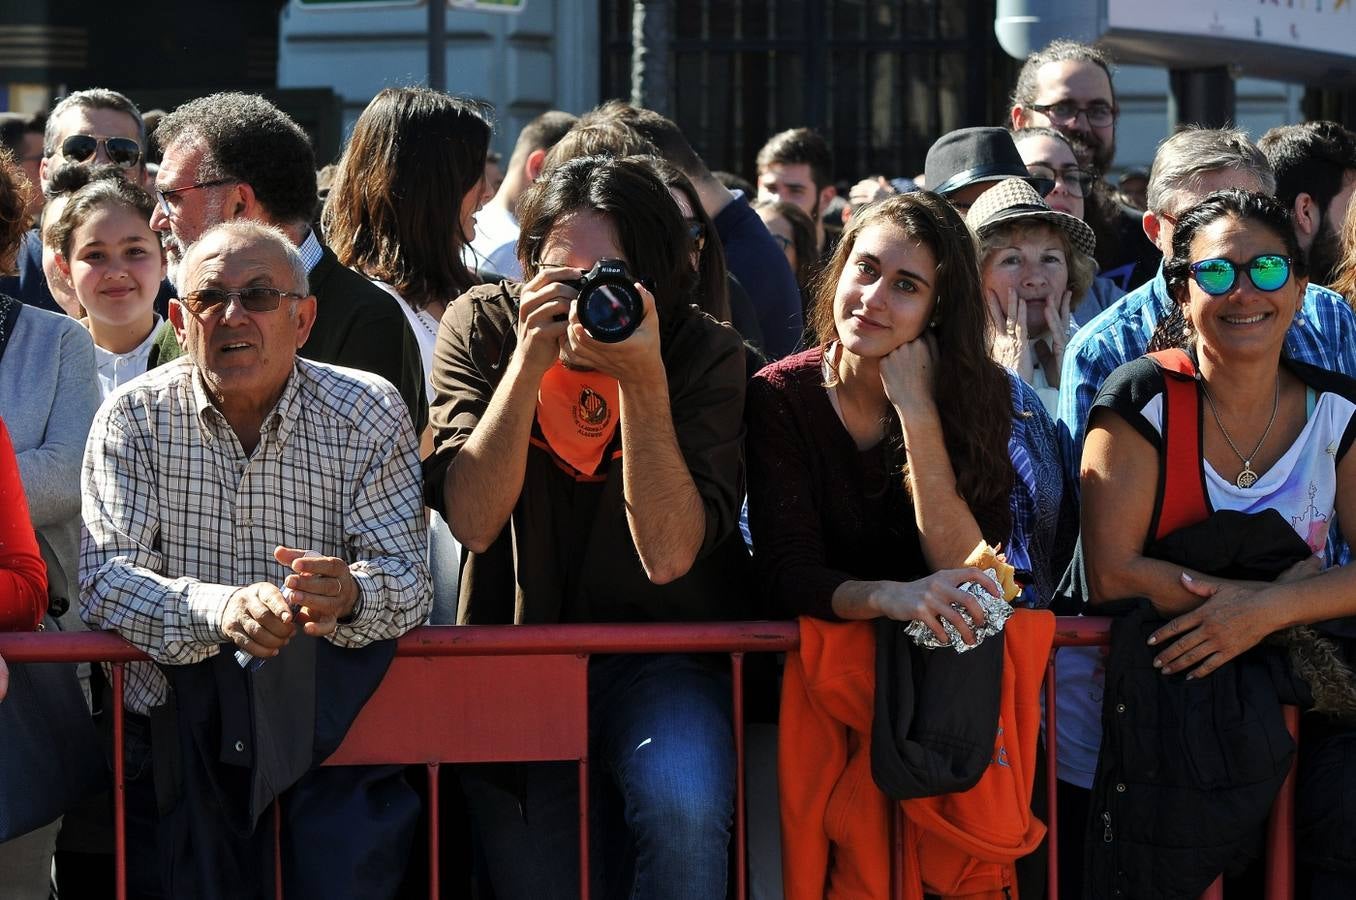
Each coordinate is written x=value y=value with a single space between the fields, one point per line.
x=121 y=151
x=1218 y=276
x=254 y=299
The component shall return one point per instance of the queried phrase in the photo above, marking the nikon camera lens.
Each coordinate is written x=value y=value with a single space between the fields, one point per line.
x=609 y=306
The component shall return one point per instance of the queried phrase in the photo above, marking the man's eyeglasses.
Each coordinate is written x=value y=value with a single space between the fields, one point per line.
x=162 y=196
x=1076 y=181
x=123 y=152
x=254 y=299
x=1267 y=272
x=1066 y=112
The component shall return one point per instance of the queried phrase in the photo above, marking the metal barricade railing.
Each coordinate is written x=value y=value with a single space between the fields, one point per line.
x=539 y=673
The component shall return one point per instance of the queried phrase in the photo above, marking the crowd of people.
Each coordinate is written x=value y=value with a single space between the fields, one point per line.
x=599 y=382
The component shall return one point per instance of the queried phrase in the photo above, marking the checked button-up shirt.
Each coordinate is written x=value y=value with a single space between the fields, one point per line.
x=178 y=517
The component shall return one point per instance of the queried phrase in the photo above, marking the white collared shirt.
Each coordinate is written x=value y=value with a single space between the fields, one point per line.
x=116 y=369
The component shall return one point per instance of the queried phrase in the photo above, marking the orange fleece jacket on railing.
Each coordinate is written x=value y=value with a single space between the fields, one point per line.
x=836 y=821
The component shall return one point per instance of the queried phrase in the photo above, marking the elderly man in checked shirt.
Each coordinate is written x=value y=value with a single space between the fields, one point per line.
x=205 y=481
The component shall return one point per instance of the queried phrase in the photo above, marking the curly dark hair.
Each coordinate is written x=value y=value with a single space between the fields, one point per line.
x=1247 y=206
x=972 y=392
x=394 y=209
x=14 y=194
x=249 y=140
x=649 y=228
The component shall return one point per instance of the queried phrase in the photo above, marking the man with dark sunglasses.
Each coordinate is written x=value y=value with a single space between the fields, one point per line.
x=237 y=156
x=95 y=127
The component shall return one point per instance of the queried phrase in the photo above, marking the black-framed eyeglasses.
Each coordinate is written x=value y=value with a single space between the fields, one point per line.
x=162 y=196
x=1268 y=272
x=1066 y=112
x=123 y=152
x=254 y=299
x=1076 y=181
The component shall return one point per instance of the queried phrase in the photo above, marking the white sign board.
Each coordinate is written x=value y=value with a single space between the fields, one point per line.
x=1322 y=26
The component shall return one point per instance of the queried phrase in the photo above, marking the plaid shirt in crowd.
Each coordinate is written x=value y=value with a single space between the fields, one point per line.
x=177 y=516
x=1323 y=334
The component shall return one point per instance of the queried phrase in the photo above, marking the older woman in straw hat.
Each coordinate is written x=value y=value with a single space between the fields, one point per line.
x=1036 y=265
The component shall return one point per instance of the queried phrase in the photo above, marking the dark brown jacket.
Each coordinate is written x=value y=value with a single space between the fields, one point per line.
x=600 y=579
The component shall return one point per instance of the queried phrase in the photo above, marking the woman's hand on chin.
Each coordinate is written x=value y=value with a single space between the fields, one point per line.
x=1009 y=344
x=1233 y=619
x=907 y=374
x=931 y=599
x=1050 y=348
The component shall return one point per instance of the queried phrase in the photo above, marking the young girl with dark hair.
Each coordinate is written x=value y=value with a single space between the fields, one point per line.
x=878 y=460
x=115 y=263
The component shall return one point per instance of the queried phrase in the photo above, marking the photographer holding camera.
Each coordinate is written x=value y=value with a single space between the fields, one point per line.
x=587 y=434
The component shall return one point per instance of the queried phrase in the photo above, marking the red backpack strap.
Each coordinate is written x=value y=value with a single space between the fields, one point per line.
x=1181 y=497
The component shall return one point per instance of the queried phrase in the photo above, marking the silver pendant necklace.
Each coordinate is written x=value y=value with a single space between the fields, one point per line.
x=1247 y=478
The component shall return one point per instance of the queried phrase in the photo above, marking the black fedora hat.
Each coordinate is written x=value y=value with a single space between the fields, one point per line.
x=967 y=156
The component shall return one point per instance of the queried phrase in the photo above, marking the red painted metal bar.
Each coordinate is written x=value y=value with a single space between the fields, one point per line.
x=467 y=640
x=584 y=829
x=277 y=849
x=1280 y=830
x=532 y=640
x=896 y=851
x=1051 y=783
x=119 y=786
x=434 y=874
x=741 y=819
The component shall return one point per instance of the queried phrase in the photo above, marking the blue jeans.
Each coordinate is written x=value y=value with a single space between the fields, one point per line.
x=661 y=798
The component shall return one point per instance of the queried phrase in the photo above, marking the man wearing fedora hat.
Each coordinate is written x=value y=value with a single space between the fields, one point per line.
x=965 y=163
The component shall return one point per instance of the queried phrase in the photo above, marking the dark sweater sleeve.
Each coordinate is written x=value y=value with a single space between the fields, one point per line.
x=761 y=267
x=788 y=546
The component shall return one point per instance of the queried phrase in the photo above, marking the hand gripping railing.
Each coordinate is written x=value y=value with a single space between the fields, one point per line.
x=519 y=693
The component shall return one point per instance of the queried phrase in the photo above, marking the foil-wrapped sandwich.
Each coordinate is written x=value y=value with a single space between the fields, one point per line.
x=996 y=609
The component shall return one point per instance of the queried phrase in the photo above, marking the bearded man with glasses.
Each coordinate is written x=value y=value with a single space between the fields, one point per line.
x=1067 y=86
x=205 y=484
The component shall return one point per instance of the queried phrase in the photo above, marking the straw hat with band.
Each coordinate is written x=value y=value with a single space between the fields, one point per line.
x=1013 y=200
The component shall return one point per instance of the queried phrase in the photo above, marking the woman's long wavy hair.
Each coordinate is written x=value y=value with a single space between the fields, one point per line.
x=1268 y=212
x=394 y=210
x=973 y=393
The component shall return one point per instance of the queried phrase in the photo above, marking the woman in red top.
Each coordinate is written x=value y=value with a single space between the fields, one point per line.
x=23 y=576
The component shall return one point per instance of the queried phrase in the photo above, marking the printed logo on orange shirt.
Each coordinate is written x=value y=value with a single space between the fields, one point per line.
x=577 y=412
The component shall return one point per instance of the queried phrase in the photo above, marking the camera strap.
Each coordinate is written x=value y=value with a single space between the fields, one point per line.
x=578 y=414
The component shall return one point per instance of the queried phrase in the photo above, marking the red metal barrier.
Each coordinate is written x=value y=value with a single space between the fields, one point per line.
x=530 y=703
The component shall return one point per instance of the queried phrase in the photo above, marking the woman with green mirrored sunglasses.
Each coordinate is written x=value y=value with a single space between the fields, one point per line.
x=1211 y=475
x=1217 y=276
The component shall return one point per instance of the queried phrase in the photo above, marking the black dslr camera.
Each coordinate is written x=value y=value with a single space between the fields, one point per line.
x=609 y=306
